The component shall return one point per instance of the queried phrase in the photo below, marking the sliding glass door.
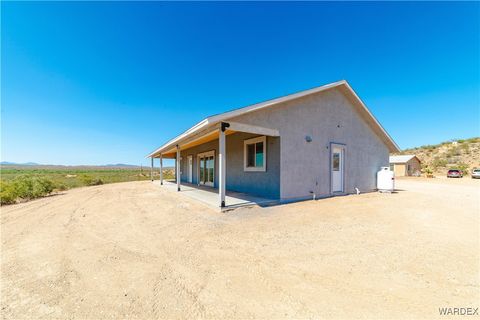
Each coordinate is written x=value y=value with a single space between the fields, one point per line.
x=206 y=168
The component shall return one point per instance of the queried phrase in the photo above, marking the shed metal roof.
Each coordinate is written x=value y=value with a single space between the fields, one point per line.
x=401 y=158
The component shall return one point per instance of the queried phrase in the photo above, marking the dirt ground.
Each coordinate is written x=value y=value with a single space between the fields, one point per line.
x=133 y=250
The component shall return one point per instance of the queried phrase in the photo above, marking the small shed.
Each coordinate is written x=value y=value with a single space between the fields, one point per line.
x=405 y=165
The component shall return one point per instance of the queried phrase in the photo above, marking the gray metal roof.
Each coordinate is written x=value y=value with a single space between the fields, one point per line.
x=215 y=119
x=402 y=158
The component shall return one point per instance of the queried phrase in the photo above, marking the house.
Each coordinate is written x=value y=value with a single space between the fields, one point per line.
x=319 y=142
x=405 y=165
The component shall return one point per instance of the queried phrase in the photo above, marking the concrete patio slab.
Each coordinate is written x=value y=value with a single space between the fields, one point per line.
x=209 y=196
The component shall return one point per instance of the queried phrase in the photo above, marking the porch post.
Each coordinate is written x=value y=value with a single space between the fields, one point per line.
x=151 y=169
x=177 y=175
x=161 y=169
x=222 y=164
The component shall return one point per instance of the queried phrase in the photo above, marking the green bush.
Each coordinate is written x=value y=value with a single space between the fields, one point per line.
x=85 y=179
x=96 y=182
x=7 y=193
x=426 y=169
x=91 y=181
x=25 y=187
x=430 y=147
x=61 y=186
x=464 y=167
x=439 y=163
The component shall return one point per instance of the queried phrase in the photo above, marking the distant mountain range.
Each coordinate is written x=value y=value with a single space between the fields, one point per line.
x=123 y=165
x=116 y=165
x=19 y=164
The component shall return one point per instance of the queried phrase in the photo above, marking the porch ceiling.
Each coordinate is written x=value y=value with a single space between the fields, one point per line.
x=170 y=153
x=209 y=134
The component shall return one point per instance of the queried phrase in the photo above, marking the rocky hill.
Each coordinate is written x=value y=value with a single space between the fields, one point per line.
x=460 y=154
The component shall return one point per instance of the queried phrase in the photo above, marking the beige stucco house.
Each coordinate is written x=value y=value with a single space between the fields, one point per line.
x=322 y=141
x=405 y=165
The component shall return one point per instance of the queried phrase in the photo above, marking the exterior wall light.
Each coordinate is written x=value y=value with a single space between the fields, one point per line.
x=308 y=139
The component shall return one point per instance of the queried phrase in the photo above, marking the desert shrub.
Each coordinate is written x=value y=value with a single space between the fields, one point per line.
x=61 y=186
x=427 y=170
x=86 y=179
x=439 y=163
x=96 y=182
x=25 y=187
x=452 y=160
x=91 y=181
x=28 y=187
x=430 y=147
x=454 y=151
x=465 y=147
x=463 y=166
x=7 y=193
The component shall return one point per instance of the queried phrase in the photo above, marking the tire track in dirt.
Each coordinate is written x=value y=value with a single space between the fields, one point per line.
x=184 y=295
x=57 y=288
x=43 y=212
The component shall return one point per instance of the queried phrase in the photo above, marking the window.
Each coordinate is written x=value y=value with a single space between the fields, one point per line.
x=255 y=154
x=336 y=161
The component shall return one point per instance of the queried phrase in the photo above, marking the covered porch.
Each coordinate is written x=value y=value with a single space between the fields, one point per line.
x=209 y=196
x=204 y=170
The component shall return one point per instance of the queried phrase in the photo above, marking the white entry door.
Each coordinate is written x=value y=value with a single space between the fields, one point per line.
x=337 y=168
x=190 y=169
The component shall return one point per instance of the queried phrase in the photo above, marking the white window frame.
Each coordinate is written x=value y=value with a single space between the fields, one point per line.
x=252 y=141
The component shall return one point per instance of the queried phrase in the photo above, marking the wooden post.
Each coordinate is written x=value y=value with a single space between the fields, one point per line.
x=222 y=157
x=161 y=169
x=178 y=168
x=151 y=169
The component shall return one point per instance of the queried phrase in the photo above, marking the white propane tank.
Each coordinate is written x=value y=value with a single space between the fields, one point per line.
x=385 y=180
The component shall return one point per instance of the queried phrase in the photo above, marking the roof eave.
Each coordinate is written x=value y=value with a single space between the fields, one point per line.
x=200 y=125
x=393 y=147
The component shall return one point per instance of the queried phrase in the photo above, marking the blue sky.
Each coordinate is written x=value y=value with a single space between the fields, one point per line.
x=104 y=82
